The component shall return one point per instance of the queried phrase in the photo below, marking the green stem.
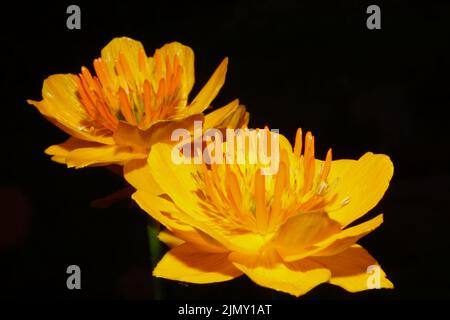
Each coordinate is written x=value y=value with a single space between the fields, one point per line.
x=155 y=255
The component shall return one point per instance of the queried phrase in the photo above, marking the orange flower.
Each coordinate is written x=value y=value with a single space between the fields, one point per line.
x=288 y=231
x=130 y=103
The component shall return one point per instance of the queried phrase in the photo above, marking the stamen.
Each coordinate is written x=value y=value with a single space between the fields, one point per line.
x=126 y=70
x=148 y=97
x=142 y=59
x=158 y=64
x=326 y=166
x=168 y=67
x=235 y=198
x=298 y=143
x=85 y=98
x=125 y=107
x=260 y=199
x=100 y=70
x=309 y=163
x=280 y=184
x=88 y=77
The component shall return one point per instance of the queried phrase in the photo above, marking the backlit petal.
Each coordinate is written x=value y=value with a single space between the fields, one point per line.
x=61 y=104
x=300 y=232
x=186 y=263
x=102 y=155
x=168 y=214
x=210 y=90
x=185 y=56
x=60 y=151
x=138 y=174
x=349 y=270
x=359 y=186
x=269 y=270
x=337 y=242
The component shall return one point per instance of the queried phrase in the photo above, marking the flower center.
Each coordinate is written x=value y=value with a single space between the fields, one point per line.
x=241 y=199
x=140 y=97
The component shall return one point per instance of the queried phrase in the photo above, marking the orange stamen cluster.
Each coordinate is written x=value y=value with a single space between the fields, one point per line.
x=139 y=99
x=311 y=193
x=296 y=188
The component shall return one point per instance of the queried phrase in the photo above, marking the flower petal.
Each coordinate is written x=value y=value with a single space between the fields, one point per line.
x=300 y=232
x=337 y=242
x=59 y=152
x=210 y=90
x=161 y=131
x=61 y=106
x=232 y=115
x=186 y=263
x=185 y=56
x=269 y=270
x=178 y=182
x=129 y=48
x=347 y=237
x=349 y=269
x=102 y=155
x=166 y=213
x=360 y=185
x=138 y=174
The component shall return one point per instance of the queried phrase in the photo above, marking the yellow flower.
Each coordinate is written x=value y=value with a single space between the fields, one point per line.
x=288 y=231
x=132 y=102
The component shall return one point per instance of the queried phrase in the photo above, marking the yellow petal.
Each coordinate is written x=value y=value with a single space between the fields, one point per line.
x=178 y=182
x=210 y=90
x=102 y=155
x=269 y=270
x=138 y=174
x=230 y=116
x=349 y=270
x=161 y=131
x=186 y=263
x=347 y=237
x=62 y=107
x=300 y=232
x=169 y=239
x=129 y=48
x=360 y=185
x=166 y=213
x=336 y=243
x=185 y=56
x=60 y=151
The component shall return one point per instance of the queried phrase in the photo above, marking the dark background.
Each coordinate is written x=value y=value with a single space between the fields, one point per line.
x=309 y=64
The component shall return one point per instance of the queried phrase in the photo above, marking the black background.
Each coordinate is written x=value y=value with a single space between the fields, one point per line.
x=309 y=64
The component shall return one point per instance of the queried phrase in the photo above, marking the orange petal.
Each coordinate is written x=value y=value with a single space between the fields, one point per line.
x=301 y=232
x=138 y=174
x=359 y=186
x=167 y=213
x=349 y=270
x=269 y=270
x=186 y=263
x=210 y=90
x=62 y=107
x=59 y=152
x=185 y=58
x=102 y=155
